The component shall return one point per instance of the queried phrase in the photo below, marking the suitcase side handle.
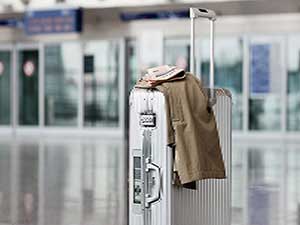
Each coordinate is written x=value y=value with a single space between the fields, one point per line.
x=156 y=182
x=211 y=15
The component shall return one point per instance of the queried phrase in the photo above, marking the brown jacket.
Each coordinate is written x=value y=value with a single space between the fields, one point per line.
x=192 y=128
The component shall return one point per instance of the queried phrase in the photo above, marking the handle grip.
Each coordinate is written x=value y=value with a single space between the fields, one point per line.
x=202 y=12
x=157 y=184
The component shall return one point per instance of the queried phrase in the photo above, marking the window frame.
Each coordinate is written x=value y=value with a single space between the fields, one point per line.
x=79 y=129
x=266 y=38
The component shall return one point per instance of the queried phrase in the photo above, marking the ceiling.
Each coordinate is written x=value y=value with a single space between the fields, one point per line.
x=109 y=9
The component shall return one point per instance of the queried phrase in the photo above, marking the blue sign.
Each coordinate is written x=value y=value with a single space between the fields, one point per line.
x=53 y=21
x=154 y=15
x=260 y=68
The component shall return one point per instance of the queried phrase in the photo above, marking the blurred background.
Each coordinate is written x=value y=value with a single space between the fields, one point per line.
x=66 y=70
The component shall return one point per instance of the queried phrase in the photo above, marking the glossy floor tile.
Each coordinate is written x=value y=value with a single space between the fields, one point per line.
x=68 y=182
x=83 y=182
x=266 y=184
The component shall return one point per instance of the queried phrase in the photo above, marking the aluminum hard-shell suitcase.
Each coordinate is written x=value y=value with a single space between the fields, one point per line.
x=153 y=199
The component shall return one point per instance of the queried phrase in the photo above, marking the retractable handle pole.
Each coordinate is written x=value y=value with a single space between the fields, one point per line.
x=211 y=15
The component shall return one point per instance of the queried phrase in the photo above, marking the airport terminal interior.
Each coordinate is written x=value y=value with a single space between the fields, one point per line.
x=64 y=108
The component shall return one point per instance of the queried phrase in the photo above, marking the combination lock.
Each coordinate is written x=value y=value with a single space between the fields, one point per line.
x=148 y=120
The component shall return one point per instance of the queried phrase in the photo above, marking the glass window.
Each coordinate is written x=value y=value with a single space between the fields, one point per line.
x=28 y=87
x=133 y=72
x=293 y=110
x=228 y=66
x=5 y=71
x=266 y=73
x=228 y=71
x=177 y=53
x=62 y=74
x=101 y=79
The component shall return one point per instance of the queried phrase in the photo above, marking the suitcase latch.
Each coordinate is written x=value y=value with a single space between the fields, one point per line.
x=148 y=120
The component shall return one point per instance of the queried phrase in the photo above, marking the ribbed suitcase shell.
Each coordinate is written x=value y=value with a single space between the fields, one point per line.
x=210 y=204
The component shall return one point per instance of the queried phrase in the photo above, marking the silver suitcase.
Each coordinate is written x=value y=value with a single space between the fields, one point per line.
x=153 y=199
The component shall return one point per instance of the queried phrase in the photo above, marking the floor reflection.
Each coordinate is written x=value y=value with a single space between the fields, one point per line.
x=69 y=182
x=83 y=182
x=266 y=184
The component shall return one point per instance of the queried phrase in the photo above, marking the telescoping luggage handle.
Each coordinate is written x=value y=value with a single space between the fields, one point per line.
x=211 y=15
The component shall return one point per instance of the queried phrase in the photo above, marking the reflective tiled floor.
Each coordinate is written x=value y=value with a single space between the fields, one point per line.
x=266 y=184
x=83 y=182
x=69 y=182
